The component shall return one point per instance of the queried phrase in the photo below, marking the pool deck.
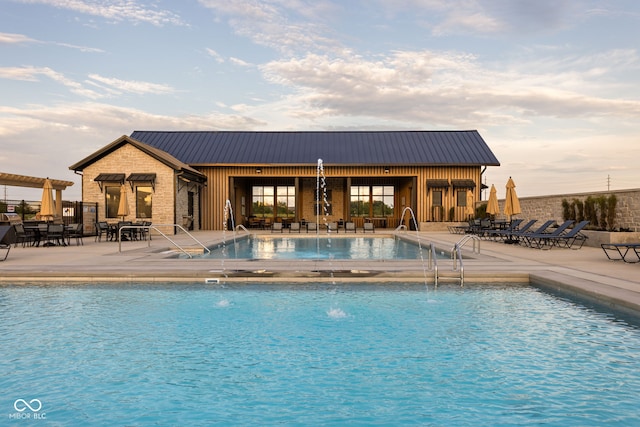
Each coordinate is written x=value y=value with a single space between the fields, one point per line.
x=586 y=272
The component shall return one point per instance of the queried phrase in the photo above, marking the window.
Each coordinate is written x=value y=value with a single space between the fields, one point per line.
x=359 y=201
x=436 y=198
x=383 y=200
x=376 y=200
x=286 y=201
x=143 y=201
x=461 y=198
x=263 y=201
x=112 y=201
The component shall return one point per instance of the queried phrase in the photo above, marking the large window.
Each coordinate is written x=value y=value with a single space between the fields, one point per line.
x=359 y=201
x=383 y=200
x=436 y=197
x=372 y=201
x=143 y=201
x=461 y=198
x=269 y=201
x=112 y=201
x=286 y=201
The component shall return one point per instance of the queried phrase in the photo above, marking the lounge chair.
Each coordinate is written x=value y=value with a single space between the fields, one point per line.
x=368 y=226
x=349 y=227
x=503 y=235
x=294 y=227
x=312 y=226
x=276 y=227
x=332 y=227
x=491 y=232
x=627 y=252
x=537 y=240
x=566 y=239
x=7 y=238
x=518 y=236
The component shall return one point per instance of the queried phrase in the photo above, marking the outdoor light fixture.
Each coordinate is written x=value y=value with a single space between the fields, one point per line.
x=258 y=170
x=387 y=169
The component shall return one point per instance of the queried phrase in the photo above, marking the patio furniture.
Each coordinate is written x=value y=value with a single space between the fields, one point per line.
x=294 y=227
x=276 y=227
x=332 y=227
x=518 y=236
x=312 y=226
x=102 y=229
x=627 y=252
x=566 y=239
x=368 y=226
x=7 y=238
x=75 y=231
x=537 y=239
x=349 y=227
x=22 y=235
x=55 y=235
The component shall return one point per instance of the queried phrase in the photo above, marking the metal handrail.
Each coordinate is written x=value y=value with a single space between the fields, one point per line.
x=465 y=239
x=242 y=227
x=155 y=227
x=456 y=254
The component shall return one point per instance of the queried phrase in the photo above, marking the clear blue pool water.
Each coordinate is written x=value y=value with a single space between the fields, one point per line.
x=266 y=247
x=313 y=354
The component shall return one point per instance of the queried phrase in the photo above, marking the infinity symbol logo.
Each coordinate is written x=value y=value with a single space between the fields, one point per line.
x=21 y=405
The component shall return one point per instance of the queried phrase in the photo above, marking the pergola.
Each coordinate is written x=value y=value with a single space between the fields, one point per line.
x=14 y=180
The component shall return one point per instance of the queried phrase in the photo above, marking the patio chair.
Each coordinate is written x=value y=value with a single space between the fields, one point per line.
x=537 y=239
x=75 y=231
x=294 y=227
x=22 y=235
x=627 y=252
x=312 y=226
x=276 y=227
x=518 y=236
x=368 y=226
x=332 y=227
x=102 y=229
x=55 y=235
x=349 y=227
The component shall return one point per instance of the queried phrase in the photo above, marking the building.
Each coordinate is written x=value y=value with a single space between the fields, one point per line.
x=188 y=177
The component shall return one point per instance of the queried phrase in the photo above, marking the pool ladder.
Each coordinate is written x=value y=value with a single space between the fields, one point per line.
x=456 y=253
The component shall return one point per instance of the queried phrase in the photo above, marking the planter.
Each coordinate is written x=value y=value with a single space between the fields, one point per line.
x=596 y=238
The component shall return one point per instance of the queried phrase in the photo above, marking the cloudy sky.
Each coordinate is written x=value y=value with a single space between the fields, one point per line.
x=553 y=86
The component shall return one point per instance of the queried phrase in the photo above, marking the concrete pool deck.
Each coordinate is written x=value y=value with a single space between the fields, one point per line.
x=586 y=272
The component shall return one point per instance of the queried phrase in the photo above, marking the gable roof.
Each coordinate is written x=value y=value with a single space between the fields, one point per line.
x=157 y=154
x=425 y=148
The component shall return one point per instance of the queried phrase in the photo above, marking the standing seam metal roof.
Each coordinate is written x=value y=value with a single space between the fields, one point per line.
x=338 y=148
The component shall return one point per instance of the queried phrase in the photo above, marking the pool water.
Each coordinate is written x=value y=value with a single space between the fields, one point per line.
x=313 y=354
x=357 y=248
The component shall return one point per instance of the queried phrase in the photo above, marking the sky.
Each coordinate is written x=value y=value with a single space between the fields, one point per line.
x=553 y=86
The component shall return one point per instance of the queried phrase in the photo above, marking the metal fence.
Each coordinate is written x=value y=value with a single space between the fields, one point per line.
x=72 y=212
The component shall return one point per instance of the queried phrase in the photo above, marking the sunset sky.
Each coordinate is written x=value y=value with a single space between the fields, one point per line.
x=553 y=86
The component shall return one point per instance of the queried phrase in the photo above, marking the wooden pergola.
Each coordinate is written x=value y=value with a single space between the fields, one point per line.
x=14 y=180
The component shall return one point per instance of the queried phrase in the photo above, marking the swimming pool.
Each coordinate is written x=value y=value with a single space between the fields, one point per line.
x=356 y=248
x=313 y=354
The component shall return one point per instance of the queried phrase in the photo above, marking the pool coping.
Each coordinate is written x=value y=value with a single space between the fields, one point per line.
x=586 y=272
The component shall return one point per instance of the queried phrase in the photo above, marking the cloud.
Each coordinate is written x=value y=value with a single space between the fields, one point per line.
x=115 y=10
x=451 y=89
x=215 y=55
x=117 y=86
x=11 y=38
x=32 y=74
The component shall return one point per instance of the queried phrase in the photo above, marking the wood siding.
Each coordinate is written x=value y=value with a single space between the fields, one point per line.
x=218 y=190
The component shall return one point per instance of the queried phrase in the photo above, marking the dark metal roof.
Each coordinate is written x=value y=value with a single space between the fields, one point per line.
x=465 y=148
x=141 y=177
x=463 y=183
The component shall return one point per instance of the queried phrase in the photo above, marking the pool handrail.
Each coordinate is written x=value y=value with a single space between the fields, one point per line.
x=155 y=227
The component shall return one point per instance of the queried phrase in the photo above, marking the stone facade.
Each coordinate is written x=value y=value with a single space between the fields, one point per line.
x=550 y=207
x=128 y=159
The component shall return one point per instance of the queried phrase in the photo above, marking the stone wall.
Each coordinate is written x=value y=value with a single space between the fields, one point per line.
x=550 y=207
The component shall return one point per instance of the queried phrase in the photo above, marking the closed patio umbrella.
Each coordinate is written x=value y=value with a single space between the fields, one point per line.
x=47 y=206
x=123 y=207
x=492 y=204
x=470 y=204
x=511 y=202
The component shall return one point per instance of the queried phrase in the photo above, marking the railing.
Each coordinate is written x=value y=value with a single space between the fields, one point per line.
x=242 y=227
x=155 y=227
x=465 y=239
x=457 y=255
